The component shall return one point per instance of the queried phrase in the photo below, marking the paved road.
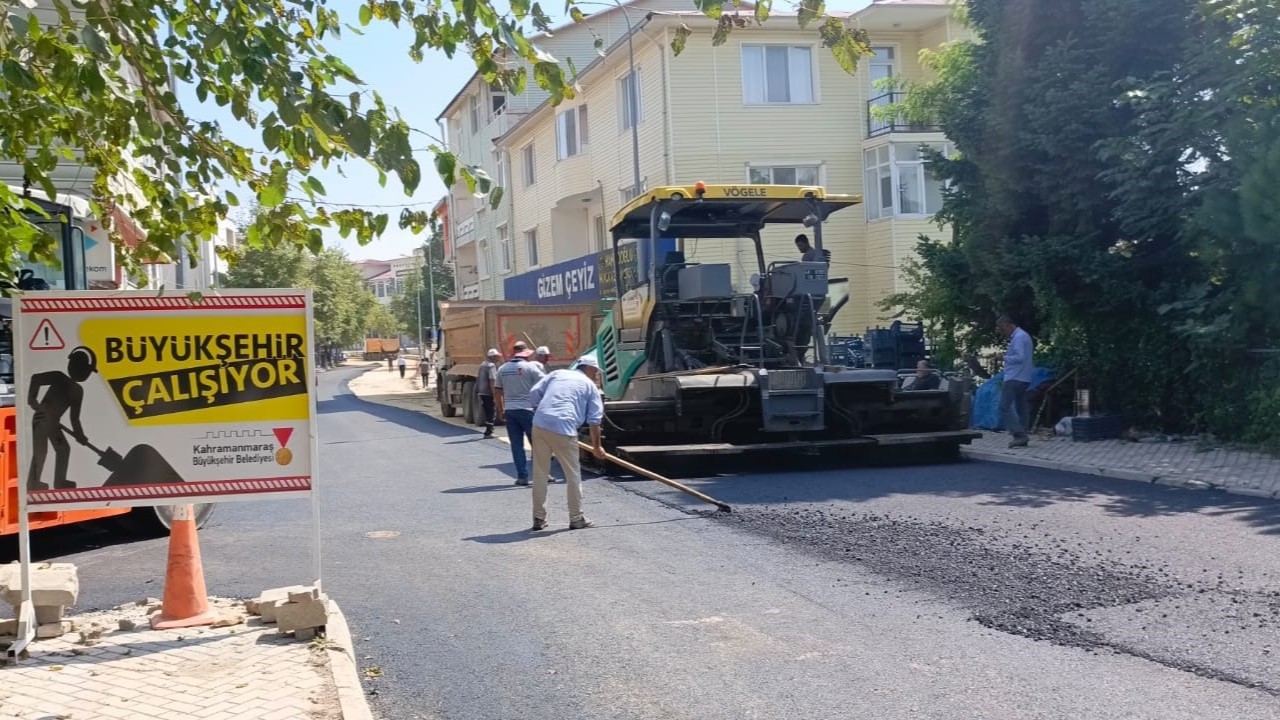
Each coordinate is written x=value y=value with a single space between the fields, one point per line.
x=956 y=591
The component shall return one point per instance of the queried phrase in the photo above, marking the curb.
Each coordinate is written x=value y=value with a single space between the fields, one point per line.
x=1115 y=473
x=342 y=662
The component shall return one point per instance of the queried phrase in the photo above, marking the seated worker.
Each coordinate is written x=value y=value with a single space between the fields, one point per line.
x=925 y=377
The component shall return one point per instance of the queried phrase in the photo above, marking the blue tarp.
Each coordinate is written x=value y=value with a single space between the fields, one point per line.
x=986 y=400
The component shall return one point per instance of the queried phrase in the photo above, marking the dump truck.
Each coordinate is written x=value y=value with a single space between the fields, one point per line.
x=380 y=348
x=470 y=327
x=697 y=361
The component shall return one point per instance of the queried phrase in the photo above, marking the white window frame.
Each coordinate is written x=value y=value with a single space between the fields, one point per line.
x=895 y=54
x=529 y=171
x=745 y=61
x=531 y=250
x=629 y=193
x=626 y=114
x=504 y=248
x=898 y=165
x=819 y=171
x=473 y=110
x=600 y=231
x=482 y=258
x=500 y=169
x=571 y=142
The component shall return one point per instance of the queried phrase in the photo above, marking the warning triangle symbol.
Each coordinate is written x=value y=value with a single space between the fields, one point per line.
x=46 y=337
x=283 y=435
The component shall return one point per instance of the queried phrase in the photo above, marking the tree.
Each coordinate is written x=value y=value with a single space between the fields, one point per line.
x=380 y=322
x=339 y=297
x=267 y=61
x=282 y=266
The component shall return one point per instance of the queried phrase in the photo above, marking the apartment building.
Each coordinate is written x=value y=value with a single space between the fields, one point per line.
x=482 y=238
x=769 y=106
x=200 y=269
x=387 y=278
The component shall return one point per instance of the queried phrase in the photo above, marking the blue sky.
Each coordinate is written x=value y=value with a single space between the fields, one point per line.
x=419 y=90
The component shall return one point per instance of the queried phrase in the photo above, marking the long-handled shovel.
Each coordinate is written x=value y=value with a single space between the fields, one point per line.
x=658 y=478
x=143 y=464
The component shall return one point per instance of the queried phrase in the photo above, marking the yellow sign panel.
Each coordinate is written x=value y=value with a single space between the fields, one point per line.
x=163 y=371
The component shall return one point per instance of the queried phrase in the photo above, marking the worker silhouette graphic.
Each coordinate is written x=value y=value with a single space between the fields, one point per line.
x=63 y=393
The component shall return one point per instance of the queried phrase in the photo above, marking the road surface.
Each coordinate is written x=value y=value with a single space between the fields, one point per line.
x=948 y=591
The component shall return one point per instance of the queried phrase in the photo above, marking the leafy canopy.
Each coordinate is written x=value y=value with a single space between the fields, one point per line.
x=90 y=83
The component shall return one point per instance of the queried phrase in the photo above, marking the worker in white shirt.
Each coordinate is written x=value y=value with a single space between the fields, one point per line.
x=1018 y=371
x=564 y=401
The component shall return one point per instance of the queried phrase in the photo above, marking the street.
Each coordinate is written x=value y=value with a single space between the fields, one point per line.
x=966 y=590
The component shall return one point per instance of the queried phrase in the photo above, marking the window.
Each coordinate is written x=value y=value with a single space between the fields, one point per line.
x=598 y=226
x=504 y=249
x=571 y=132
x=881 y=65
x=789 y=175
x=531 y=246
x=898 y=183
x=474 y=110
x=777 y=74
x=498 y=102
x=527 y=157
x=630 y=112
x=630 y=193
x=500 y=169
x=482 y=258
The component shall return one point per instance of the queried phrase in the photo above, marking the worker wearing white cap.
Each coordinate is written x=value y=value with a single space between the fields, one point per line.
x=541 y=355
x=485 y=378
x=564 y=401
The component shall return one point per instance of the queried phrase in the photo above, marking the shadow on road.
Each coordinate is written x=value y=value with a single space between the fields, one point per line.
x=349 y=402
x=801 y=479
x=514 y=537
x=478 y=489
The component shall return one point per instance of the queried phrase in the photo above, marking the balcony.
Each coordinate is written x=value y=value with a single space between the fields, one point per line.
x=878 y=126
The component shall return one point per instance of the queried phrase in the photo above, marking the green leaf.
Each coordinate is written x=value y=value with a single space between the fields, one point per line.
x=16 y=74
x=446 y=166
x=410 y=176
x=810 y=10
x=520 y=9
x=762 y=10
x=576 y=15
x=711 y=8
x=232 y=200
x=366 y=14
x=681 y=38
x=356 y=132
x=495 y=197
x=94 y=41
x=314 y=183
x=315 y=241
x=19 y=24
x=848 y=52
x=270 y=195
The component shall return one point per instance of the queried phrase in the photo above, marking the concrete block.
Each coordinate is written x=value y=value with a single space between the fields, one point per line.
x=291 y=617
x=306 y=595
x=52 y=630
x=52 y=584
x=305 y=634
x=9 y=627
x=228 y=619
x=265 y=603
x=49 y=614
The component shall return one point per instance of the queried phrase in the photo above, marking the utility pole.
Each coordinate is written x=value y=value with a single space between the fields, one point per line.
x=431 y=291
x=634 y=91
x=419 y=288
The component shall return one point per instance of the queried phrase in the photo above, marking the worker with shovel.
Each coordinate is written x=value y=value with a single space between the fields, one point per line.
x=63 y=393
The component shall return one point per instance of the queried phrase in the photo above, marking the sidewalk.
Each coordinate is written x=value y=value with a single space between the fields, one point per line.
x=112 y=665
x=1182 y=464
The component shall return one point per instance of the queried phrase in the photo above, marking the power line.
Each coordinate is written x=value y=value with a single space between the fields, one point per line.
x=370 y=206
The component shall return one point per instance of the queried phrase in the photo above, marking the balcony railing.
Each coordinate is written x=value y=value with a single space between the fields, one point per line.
x=877 y=126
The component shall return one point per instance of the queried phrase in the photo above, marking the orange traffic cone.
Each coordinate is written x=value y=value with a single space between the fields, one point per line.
x=186 y=603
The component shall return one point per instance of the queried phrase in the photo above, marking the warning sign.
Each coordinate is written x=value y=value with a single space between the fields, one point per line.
x=46 y=337
x=162 y=399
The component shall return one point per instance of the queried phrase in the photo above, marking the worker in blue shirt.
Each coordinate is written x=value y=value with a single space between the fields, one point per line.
x=564 y=401
x=1018 y=369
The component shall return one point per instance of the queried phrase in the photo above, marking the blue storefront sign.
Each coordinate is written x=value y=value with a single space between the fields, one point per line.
x=585 y=279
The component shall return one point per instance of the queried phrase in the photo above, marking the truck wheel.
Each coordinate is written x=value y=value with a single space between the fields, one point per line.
x=155 y=521
x=469 y=402
x=442 y=396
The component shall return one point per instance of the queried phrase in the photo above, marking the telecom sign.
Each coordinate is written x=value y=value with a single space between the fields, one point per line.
x=139 y=399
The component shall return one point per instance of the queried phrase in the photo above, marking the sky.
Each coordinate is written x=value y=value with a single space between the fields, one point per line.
x=419 y=91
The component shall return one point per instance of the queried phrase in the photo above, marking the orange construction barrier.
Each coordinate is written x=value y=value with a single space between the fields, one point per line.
x=186 y=602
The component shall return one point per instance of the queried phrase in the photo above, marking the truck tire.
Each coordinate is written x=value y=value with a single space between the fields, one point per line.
x=442 y=396
x=152 y=522
x=469 y=402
